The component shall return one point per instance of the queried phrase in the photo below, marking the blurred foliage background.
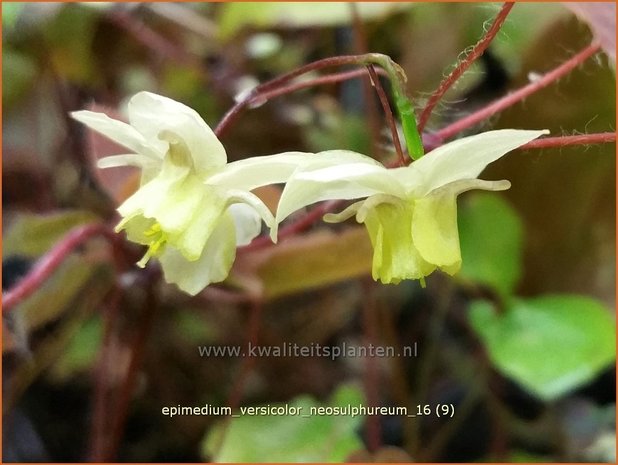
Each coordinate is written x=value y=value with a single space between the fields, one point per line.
x=521 y=342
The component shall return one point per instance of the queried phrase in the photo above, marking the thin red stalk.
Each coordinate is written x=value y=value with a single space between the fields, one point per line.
x=372 y=117
x=564 y=141
x=303 y=223
x=51 y=261
x=310 y=217
x=234 y=112
x=388 y=113
x=253 y=333
x=327 y=79
x=371 y=378
x=247 y=364
x=518 y=95
x=153 y=40
x=98 y=428
x=121 y=409
x=464 y=64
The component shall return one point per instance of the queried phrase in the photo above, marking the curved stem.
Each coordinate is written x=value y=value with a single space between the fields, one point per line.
x=564 y=141
x=233 y=113
x=518 y=95
x=300 y=225
x=375 y=80
x=137 y=351
x=393 y=70
x=464 y=64
x=327 y=79
x=51 y=261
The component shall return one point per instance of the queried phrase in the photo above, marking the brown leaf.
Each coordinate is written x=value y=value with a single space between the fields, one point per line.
x=307 y=262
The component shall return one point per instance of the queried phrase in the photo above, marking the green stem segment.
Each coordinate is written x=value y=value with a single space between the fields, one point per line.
x=393 y=70
x=414 y=142
x=403 y=104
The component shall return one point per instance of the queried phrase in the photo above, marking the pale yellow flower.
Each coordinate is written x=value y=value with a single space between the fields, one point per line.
x=410 y=212
x=193 y=208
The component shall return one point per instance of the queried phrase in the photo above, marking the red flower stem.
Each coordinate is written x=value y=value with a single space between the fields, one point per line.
x=372 y=117
x=233 y=113
x=328 y=79
x=464 y=64
x=564 y=141
x=100 y=418
x=137 y=351
x=371 y=376
x=518 y=95
x=52 y=260
x=300 y=225
x=246 y=366
x=375 y=80
x=393 y=71
x=155 y=42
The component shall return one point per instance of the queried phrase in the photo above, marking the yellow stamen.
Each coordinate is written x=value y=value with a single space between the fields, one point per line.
x=159 y=238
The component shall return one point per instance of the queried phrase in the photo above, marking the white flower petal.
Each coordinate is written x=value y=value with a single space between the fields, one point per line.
x=247 y=221
x=119 y=132
x=465 y=158
x=434 y=230
x=151 y=114
x=212 y=266
x=161 y=195
x=394 y=255
x=372 y=202
x=132 y=159
x=344 y=215
x=335 y=174
x=254 y=172
x=203 y=214
x=238 y=196
x=464 y=185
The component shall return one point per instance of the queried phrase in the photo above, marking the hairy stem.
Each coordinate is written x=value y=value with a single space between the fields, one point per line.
x=464 y=64
x=564 y=141
x=47 y=264
x=327 y=79
x=518 y=95
x=393 y=70
x=388 y=113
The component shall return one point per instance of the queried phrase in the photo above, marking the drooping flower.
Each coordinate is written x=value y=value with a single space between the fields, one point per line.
x=410 y=212
x=193 y=208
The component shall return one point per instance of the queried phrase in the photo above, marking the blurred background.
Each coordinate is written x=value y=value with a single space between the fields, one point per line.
x=521 y=342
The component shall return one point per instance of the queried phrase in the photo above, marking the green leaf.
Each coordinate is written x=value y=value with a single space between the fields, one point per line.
x=33 y=235
x=18 y=75
x=491 y=232
x=315 y=260
x=11 y=11
x=81 y=352
x=551 y=344
x=53 y=298
x=236 y=15
x=70 y=35
x=290 y=438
